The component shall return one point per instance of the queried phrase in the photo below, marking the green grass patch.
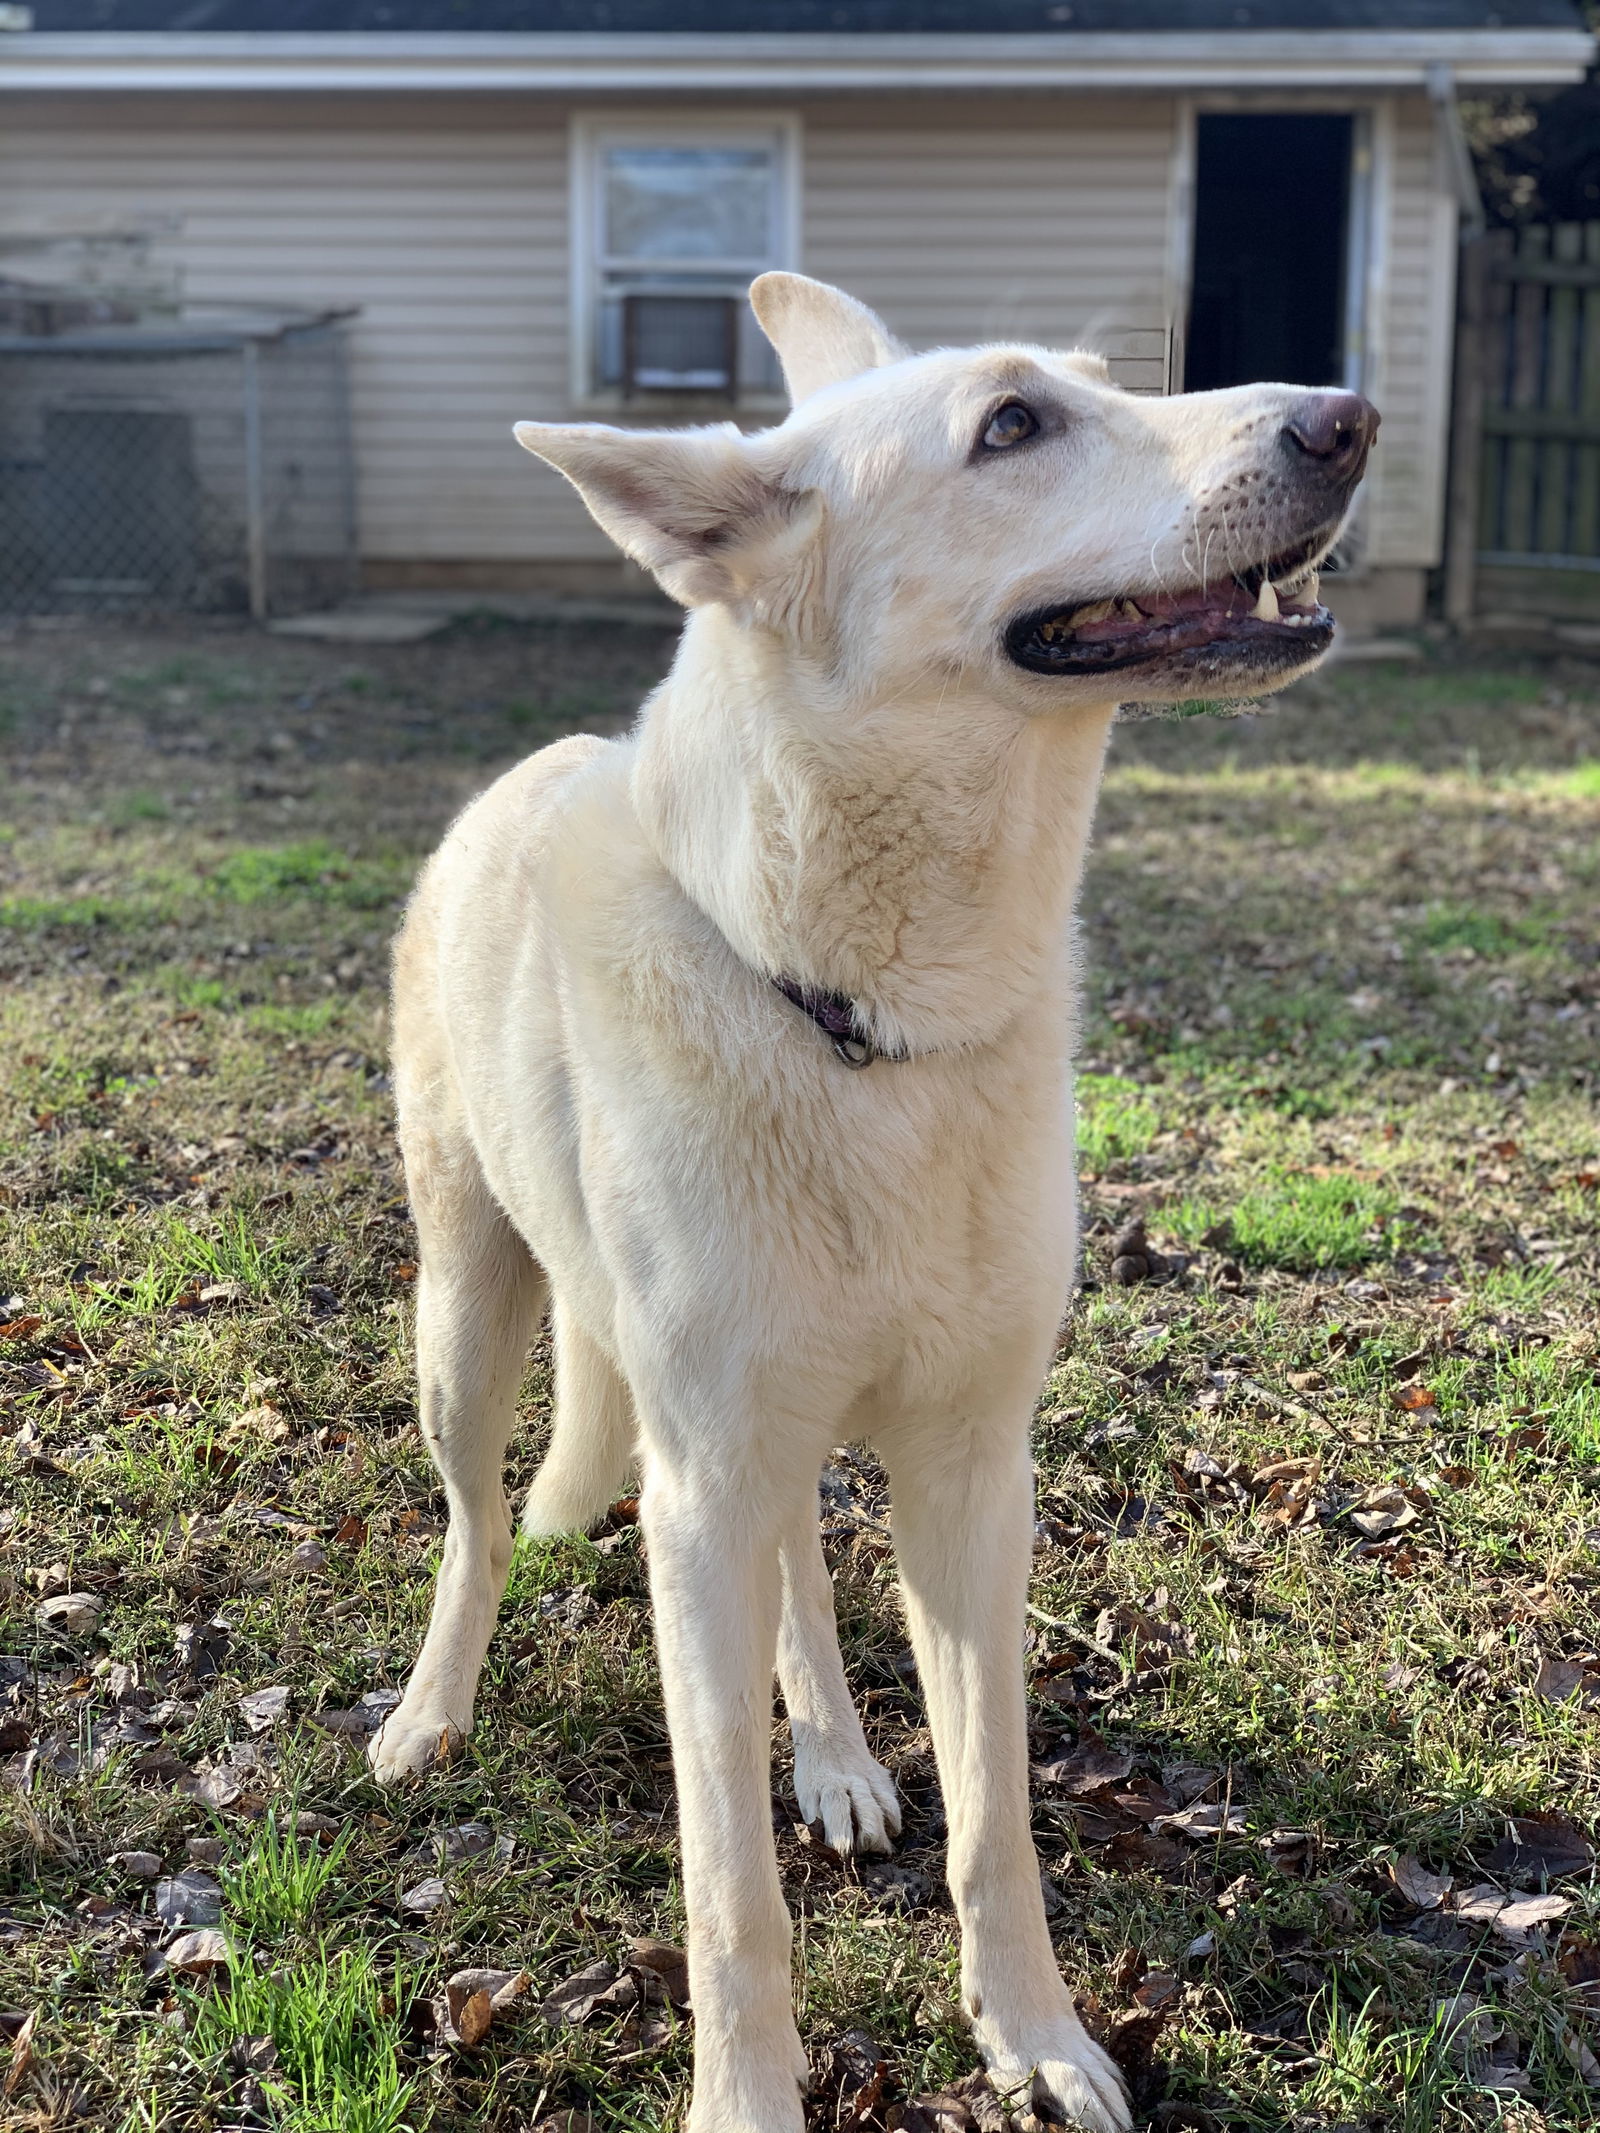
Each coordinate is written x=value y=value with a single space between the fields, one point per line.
x=128 y=810
x=1446 y=926
x=1116 y=1120
x=277 y=1883
x=258 y=874
x=132 y=911
x=180 y=1257
x=1297 y=1222
x=334 y=2021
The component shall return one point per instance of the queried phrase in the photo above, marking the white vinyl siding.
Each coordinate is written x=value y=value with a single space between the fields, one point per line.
x=446 y=219
x=1031 y=219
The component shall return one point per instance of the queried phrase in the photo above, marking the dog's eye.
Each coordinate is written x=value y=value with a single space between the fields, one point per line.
x=1010 y=424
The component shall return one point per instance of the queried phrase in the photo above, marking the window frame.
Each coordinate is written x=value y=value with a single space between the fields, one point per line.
x=594 y=131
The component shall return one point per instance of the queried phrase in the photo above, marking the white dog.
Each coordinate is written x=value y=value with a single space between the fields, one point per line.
x=632 y=987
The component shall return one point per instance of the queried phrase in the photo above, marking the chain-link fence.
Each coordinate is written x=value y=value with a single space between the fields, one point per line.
x=201 y=463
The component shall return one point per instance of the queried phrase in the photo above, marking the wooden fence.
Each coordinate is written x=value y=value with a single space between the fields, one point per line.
x=1524 y=531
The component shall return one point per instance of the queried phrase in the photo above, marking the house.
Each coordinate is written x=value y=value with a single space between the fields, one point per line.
x=550 y=208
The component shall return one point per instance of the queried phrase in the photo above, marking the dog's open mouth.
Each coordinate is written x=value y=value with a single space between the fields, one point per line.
x=1261 y=619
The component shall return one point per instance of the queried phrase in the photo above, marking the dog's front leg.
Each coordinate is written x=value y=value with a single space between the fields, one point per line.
x=712 y=1534
x=963 y=1529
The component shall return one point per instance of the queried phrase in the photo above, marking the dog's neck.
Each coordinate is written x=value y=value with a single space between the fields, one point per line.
x=919 y=855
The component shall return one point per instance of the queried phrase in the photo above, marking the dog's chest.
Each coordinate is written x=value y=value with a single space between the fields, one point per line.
x=910 y=1194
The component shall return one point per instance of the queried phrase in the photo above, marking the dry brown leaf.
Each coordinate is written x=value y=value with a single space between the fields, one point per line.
x=1514 y=1918
x=1412 y=1399
x=74 y=1614
x=190 y=1899
x=847 y=2083
x=1286 y=1470
x=1210 y=1819
x=1541 y=1847
x=221 y=1789
x=1559 y=1680
x=1130 y=2038
x=20 y=2064
x=138 y=1866
x=944 y=2113
x=199 y=1952
x=474 y=1997
x=1415 y=1883
x=1088 y=1766
x=472 y=2017
x=665 y=1960
x=264 y=1708
x=1290 y=1850
x=1141 y=1850
x=1386 y=1510
x=576 y=1997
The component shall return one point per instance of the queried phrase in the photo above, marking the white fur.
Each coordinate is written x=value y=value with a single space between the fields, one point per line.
x=756 y=1253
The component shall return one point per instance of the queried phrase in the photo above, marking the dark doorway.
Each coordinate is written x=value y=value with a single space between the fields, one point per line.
x=1272 y=212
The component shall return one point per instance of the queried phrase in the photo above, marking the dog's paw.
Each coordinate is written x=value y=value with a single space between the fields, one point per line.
x=1066 y=2080
x=839 y=1784
x=407 y=1743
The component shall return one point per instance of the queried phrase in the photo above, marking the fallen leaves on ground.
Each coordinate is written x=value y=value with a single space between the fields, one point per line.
x=1562 y=1680
x=1541 y=1847
x=20 y=2062
x=1135 y=1822
x=472 y=1999
x=1426 y=1891
x=189 y=1899
x=72 y=1614
x=1515 y=1918
x=854 y=2090
x=647 y=1987
x=200 y=1952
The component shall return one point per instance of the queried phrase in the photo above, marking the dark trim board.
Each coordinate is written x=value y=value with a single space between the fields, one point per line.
x=770 y=18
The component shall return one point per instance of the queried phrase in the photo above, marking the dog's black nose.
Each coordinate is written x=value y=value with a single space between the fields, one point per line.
x=1334 y=429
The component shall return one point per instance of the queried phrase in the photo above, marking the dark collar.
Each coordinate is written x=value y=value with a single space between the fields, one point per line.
x=835 y=1015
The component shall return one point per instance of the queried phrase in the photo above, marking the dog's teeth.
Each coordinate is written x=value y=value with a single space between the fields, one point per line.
x=1096 y=611
x=1130 y=610
x=1266 y=607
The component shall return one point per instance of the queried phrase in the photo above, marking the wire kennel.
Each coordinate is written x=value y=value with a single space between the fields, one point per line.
x=200 y=462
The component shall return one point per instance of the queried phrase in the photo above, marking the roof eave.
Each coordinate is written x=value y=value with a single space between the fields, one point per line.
x=610 y=64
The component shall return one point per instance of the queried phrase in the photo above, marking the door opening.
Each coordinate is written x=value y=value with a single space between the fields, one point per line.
x=1271 y=250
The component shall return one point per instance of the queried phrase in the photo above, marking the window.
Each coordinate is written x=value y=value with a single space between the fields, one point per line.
x=671 y=224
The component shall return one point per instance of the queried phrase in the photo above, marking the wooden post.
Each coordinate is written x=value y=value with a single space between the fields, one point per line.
x=1466 y=436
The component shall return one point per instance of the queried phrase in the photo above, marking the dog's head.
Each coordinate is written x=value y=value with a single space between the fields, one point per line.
x=1003 y=515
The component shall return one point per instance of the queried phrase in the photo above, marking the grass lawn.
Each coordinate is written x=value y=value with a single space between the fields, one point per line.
x=1315 y=1649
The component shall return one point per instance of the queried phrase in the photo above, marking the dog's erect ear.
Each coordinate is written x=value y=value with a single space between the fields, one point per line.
x=692 y=506
x=822 y=336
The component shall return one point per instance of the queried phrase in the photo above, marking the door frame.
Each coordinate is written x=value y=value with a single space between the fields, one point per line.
x=1369 y=213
